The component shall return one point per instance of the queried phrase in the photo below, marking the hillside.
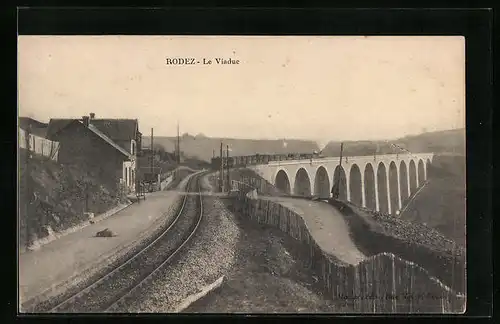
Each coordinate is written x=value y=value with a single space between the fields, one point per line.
x=441 y=204
x=449 y=141
x=203 y=147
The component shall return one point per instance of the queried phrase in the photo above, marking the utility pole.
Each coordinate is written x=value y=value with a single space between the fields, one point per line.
x=227 y=169
x=221 y=178
x=178 y=145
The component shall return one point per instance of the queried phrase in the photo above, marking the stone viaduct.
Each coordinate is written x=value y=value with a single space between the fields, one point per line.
x=381 y=182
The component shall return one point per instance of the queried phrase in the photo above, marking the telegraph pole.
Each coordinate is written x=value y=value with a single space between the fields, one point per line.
x=227 y=168
x=221 y=180
x=178 y=145
x=340 y=164
x=29 y=194
x=152 y=154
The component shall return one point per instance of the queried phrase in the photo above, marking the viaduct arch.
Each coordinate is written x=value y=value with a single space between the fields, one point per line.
x=282 y=182
x=302 y=185
x=339 y=177
x=394 y=191
x=322 y=184
x=421 y=173
x=413 y=178
x=355 y=186
x=370 y=188
x=404 y=184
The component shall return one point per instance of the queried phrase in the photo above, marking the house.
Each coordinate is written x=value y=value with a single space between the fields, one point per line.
x=106 y=147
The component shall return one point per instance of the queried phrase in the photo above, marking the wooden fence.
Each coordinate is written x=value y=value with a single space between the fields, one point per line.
x=39 y=145
x=383 y=283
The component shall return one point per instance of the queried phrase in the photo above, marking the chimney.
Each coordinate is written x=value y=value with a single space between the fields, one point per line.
x=92 y=116
x=85 y=120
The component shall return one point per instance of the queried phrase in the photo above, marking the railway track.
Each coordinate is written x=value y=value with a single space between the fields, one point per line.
x=112 y=291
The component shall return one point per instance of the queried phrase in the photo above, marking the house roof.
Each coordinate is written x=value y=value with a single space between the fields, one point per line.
x=25 y=121
x=56 y=125
x=117 y=129
x=108 y=140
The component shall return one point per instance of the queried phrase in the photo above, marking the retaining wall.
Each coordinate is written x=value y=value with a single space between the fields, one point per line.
x=383 y=283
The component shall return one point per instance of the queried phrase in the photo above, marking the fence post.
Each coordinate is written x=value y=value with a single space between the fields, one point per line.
x=393 y=284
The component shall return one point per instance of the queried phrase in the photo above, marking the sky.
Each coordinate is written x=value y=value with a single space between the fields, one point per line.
x=303 y=87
